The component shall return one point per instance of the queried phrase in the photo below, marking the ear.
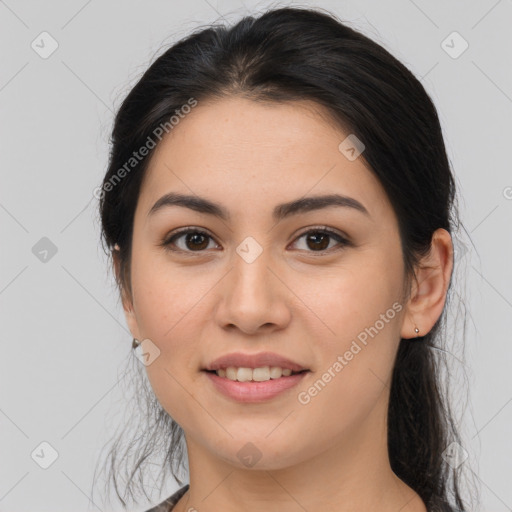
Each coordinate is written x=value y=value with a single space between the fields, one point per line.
x=428 y=294
x=126 y=297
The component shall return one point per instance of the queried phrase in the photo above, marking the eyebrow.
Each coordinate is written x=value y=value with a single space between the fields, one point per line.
x=281 y=211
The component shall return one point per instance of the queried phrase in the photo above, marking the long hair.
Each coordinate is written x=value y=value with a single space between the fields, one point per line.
x=284 y=55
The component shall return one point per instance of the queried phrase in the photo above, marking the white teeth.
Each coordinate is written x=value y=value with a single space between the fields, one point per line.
x=231 y=373
x=275 y=372
x=257 y=374
x=261 y=374
x=244 y=374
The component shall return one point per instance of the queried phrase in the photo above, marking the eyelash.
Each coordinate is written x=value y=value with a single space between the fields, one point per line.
x=167 y=242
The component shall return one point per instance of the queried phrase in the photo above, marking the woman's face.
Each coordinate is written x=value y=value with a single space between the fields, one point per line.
x=254 y=282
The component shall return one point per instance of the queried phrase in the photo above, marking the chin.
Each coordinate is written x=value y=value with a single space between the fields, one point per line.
x=259 y=452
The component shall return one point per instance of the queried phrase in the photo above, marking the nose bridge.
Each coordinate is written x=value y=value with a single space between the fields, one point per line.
x=250 y=274
x=251 y=297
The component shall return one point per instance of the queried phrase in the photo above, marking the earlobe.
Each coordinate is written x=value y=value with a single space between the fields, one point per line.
x=430 y=287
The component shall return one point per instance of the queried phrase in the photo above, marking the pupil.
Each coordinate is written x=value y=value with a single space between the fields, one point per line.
x=194 y=238
x=324 y=238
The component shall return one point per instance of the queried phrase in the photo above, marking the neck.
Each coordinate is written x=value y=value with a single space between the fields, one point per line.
x=352 y=475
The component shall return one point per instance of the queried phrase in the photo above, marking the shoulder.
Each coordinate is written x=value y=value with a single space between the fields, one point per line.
x=168 y=504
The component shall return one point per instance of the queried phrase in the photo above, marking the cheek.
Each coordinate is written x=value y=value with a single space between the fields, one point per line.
x=360 y=306
x=172 y=311
x=352 y=381
x=161 y=298
x=348 y=299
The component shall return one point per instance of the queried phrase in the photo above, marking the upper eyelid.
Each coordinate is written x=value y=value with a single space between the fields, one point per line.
x=327 y=229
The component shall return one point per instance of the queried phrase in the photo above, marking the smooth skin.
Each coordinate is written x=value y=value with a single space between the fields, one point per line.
x=299 y=298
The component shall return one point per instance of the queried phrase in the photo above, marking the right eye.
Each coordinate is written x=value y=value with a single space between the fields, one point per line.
x=194 y=240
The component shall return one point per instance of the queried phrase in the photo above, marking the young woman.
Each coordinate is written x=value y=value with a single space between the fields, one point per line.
x=279 y=207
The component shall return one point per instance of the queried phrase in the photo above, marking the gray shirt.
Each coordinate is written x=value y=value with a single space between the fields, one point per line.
x=169 y=503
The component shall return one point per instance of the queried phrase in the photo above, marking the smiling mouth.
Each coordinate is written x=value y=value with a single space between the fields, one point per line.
x=262 y=374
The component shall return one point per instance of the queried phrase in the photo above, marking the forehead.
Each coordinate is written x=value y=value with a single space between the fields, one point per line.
x=240 y=152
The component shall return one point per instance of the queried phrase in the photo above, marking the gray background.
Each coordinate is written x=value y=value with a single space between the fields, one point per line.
x=64 y=336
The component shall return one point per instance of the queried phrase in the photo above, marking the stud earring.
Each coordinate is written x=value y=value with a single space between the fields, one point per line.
x=417 y=331
x=135 y=343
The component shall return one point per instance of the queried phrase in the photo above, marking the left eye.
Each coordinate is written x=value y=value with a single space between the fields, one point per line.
x=319 y=239
x=196 y=240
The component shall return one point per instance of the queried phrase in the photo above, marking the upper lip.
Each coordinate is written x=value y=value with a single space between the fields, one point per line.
x=241 y=360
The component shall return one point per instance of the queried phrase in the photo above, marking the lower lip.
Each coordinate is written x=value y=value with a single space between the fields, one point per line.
x=253 y=392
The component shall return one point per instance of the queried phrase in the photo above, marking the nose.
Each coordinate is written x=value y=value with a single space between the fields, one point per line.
x=253 y=297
